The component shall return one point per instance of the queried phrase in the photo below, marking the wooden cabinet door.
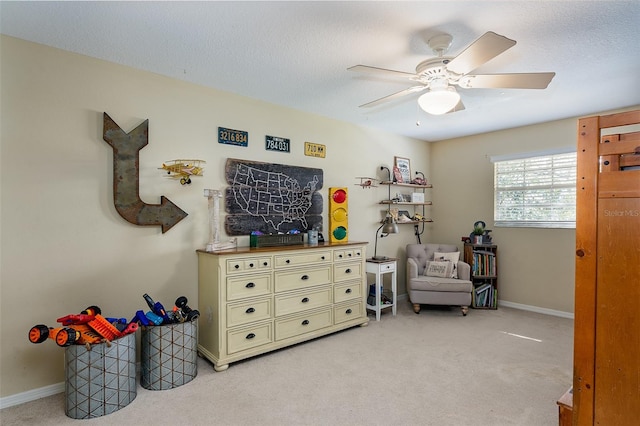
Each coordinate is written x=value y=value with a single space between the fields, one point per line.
x=606 y=383
x=617 y=353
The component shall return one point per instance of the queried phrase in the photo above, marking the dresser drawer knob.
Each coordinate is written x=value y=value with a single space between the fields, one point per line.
x=250 y=311
x=349 y=255
x=305 y=300
x=305 y=322
x=348 y=271
x=322 y=257
x=250 y=285
x=265 y=263
x=348 y=291
x=250 y=336
x=304 y=277
x=287 y=261
x=237 y=266
x=348 y=311
x=251 y=265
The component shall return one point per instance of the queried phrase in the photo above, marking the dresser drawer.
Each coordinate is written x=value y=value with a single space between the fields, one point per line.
x=300 y=301
x=347 y=254
x=312 y=258
x=302 y=278
x=250 y=337
x=250 y=311
x=301 y=324
x=347 y=291
x=250 y=264
x=248 y=286
x=348 y=311
x=347 y=271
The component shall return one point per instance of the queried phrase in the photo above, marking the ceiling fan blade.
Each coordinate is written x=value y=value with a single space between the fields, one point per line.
x=414 y=89
x=533 y=80
x=487 y=47
x=380 y=71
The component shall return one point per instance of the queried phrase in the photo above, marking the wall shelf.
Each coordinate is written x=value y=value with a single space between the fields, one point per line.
x=418 y=207
x=405 y=203
x=407 y=185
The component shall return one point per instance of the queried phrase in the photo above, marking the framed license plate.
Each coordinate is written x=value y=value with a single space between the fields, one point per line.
x=233 y=137
x=314 y=150
x=274 y=143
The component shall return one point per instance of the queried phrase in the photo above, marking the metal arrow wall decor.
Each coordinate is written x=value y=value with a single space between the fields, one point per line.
x=126 y=184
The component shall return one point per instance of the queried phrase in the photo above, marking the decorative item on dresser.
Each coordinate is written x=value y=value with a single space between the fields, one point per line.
x=255 y=300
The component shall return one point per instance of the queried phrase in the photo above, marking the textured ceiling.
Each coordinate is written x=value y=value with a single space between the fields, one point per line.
x=296 y=54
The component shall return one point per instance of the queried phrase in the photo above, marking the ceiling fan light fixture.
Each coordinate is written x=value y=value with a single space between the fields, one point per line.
x=438 y=102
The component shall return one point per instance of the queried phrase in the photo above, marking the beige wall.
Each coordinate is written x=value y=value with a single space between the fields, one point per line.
x=64 y=247
x=536 y=266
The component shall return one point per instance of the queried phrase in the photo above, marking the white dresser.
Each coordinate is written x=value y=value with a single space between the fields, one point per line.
x=255 y=300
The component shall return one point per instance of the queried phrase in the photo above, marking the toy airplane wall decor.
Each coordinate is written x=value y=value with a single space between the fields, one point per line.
x=367 y=182
x=183 y=169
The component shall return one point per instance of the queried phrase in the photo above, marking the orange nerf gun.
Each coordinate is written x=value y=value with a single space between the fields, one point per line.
x=83 y=318
x=65 y=336
x=86 y=328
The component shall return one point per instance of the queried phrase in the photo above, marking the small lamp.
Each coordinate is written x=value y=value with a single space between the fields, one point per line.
x=440 y=99
x=387 y=227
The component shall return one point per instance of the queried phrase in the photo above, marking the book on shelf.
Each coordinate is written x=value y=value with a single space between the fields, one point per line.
x=483 y=288
x=484 y=263
x=489 y=252
x=485 y=296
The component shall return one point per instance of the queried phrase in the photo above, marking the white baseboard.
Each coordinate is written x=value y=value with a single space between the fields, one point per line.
x=507 y=304
x=32 y=395
x=537 y=309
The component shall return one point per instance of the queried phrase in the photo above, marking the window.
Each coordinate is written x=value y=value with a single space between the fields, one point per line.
x=535 y=190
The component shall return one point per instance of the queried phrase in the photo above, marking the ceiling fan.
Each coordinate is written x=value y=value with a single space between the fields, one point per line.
x=439 y=75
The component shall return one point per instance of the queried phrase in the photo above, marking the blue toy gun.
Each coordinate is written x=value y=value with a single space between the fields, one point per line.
x=156 y=319
x=157 y=308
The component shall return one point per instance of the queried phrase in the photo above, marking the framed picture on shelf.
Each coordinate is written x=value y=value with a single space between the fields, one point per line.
x=397 y=176
x=404 y=167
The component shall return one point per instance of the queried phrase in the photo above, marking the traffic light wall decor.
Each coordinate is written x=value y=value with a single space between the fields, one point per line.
x=338 y=215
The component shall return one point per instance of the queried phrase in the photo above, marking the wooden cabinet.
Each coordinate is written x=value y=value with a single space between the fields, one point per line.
x=565 y=409
x=606 y=380
x=255 y=300
x=408 y=201
x=483 y=259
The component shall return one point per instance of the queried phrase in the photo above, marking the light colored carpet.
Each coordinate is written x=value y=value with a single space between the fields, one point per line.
x=504 y=367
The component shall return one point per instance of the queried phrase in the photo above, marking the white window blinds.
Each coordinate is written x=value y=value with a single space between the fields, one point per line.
x=536 y=191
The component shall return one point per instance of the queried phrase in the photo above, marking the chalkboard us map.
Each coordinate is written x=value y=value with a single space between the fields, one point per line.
x=271 y=198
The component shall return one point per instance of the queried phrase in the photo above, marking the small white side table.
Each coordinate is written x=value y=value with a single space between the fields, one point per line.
x=379 y=268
